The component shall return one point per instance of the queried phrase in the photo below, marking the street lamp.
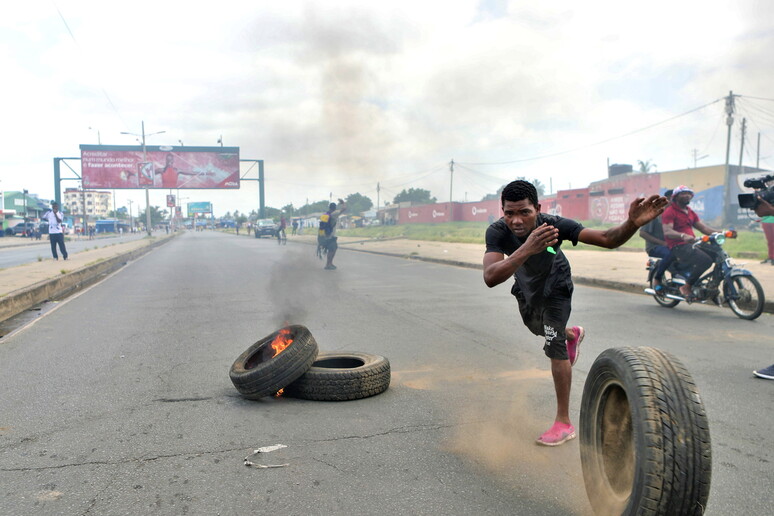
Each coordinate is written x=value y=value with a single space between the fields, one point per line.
x=99 y=141
x=145 y=160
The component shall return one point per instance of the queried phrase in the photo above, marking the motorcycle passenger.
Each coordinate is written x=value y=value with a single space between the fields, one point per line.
x=656 y=246
x=678 y=223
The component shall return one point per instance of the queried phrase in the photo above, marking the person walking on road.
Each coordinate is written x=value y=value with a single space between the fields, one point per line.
x=327 y=234
x=525 y=244
x=55 y=235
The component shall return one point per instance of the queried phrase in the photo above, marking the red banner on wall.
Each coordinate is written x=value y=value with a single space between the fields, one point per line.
x=104 y=166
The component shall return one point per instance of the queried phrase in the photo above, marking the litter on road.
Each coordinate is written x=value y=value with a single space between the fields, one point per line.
x=265 y=449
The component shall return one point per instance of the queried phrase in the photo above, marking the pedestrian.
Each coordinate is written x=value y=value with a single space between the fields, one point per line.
x=327 y=231
x=525 y=244
x=295 y=227
x=55 y=235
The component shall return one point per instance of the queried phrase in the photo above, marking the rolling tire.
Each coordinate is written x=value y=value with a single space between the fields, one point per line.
x=257 y=373
x=342 y=376
x=644 y=436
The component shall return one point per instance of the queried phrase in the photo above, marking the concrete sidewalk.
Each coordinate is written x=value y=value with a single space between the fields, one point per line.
x=27 y=285
x=617 y=269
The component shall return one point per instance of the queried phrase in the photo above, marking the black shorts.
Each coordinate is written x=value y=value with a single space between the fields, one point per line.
x=548 y=318
x=328 y=243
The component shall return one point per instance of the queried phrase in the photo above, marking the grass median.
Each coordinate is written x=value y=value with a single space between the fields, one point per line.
x=748 y=244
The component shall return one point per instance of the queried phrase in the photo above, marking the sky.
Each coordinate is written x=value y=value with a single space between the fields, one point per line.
x=339 y=96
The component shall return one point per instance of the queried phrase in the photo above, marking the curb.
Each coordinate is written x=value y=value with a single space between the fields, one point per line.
x=57 y=288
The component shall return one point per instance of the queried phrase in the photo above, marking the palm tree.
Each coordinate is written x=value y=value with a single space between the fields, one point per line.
x=646 y=167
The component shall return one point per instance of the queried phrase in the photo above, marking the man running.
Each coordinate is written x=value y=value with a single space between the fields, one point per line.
x=525 y=244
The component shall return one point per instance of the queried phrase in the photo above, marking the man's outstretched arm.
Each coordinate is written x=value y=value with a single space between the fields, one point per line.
x=641 y=211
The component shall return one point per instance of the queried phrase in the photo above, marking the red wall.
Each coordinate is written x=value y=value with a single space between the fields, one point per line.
x=424 y=214
x=572 y=204
x=477 y=211
x=613 y=207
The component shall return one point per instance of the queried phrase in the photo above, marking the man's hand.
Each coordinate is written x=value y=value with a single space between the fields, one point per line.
x=764 y=208
x=642 y=211
x=541 y=237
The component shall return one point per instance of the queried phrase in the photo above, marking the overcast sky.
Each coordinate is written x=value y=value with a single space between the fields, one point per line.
x=336 y=96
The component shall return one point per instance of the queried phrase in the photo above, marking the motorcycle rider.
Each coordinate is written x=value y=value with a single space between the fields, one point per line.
x=678 y=222
x=656 y=246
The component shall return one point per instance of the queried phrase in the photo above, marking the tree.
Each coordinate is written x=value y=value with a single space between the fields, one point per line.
x=539 y=186
x=415 y=195
x=316 y=207
x=646 y=167
x=357 y=203
x=157 y=215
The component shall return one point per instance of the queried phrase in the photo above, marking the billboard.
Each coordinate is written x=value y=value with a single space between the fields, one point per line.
x=127 y=166
x=199 y=207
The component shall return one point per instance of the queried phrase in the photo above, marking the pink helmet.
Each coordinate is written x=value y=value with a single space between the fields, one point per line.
x=681 y=189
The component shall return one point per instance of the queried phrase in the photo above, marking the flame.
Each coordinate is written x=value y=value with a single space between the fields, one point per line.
x=281 y=341
x=279 y=393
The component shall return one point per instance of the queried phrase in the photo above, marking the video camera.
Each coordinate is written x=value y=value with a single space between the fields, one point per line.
x=762 y=191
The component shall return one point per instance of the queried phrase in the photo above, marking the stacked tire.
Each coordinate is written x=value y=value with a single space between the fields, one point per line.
x=300 y=371
x=644 y=436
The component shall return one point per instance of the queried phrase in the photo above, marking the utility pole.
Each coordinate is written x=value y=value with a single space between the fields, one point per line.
x=696 y=156
x=378 y=188
x=741 y=147
x=730 y=216
x=85 y=225
x=131 y=219
x=451 y=185
x=758 y=153
x=152 y=172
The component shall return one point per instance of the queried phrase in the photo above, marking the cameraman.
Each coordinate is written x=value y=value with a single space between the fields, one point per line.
x=766 y=212
x=765 y=209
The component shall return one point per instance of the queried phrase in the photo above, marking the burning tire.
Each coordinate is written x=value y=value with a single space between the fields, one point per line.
x=342 y=376
x=266 y=367
x=644 y=436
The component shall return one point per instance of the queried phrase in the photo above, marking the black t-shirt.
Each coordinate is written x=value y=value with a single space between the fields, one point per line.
x=543 y=274
x=655 y=228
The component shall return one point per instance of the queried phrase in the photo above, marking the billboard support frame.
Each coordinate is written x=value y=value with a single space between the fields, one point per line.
x=261 y=194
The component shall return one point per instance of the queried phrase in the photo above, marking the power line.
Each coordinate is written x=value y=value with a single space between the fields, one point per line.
x=756 y=98
x=544 y=156
x=78 y=46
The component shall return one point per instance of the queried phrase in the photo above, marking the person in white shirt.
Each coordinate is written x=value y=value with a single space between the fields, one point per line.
x=55 y=235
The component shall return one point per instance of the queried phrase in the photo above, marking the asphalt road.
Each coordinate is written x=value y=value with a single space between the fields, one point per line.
x=13 y=255
x=119 y=401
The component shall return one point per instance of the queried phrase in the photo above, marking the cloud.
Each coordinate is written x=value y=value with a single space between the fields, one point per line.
x=337 y=96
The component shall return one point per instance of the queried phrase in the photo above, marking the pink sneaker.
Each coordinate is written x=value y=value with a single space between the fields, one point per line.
x=573 y=346
x=558 y=434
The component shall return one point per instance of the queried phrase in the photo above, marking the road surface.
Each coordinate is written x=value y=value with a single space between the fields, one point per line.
x=119 y=400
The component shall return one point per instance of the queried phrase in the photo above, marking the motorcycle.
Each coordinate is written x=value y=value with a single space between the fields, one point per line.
x=724 y=283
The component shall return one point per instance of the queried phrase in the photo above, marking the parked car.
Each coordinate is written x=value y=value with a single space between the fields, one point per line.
x=21 y=229
x=265 y=227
